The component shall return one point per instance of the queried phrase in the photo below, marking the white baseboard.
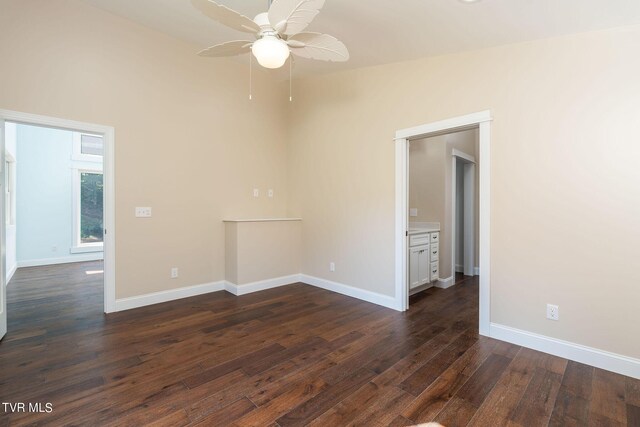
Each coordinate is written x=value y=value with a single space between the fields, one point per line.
x=460 y=269
x=10 y=272
x=62 y=260
x=170 y=295
x=260 y=285
x=613 y=362
x=175 y=294
x=372 y=297
x=445 y=283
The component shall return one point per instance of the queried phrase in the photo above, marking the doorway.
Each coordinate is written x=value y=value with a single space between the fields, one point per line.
x=464 y=239
x=58 y=205
x=482 y=122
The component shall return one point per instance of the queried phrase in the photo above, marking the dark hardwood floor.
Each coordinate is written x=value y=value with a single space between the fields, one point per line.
x=295 y=355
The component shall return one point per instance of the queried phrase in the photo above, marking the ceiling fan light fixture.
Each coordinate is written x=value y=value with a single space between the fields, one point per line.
x=270 y=51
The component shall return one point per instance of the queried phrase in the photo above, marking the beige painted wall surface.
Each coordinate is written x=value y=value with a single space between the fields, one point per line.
x=188 y=141
x=262 y=250
x=565 y=185
x=427 y=178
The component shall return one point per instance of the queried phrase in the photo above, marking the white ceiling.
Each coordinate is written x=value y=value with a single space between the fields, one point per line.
x=383 y=31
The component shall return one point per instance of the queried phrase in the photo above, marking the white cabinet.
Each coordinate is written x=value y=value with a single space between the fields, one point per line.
x=424 y=253
x=419 y=273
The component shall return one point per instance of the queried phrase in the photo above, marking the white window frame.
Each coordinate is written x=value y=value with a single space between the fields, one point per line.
x=77 y=154
x=10 y=190
x=79 y=247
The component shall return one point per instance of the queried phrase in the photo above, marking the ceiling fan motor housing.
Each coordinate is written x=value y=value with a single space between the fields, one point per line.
x=266 y=29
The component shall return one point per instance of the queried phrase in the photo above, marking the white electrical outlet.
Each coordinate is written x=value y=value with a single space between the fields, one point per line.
x=174 y=273
x=256 y=192
x=332 y=266
x=54 y=249
x=413 y=212
x=143 y=212
x=553 y=312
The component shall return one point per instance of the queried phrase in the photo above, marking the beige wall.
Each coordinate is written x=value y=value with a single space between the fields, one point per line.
x=263 y=250
x=427 y=178
x=565 y=194
x=188 y=141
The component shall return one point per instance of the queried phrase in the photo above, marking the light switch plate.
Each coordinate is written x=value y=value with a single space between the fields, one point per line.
x=256 y=192
x=143 y=212
x=270 y=193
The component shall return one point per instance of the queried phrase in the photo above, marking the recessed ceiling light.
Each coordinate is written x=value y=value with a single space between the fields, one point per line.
x=469 y=1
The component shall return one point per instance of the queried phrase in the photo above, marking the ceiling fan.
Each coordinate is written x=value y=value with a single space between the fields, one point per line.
x=277 y=32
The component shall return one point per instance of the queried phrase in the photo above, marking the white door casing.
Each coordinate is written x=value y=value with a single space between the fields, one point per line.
x=3 y=243
x=469 y=219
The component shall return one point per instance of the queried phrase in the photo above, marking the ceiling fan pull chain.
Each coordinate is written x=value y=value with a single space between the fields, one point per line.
x=250 y=76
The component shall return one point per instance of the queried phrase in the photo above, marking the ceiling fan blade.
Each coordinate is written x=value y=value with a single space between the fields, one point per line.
x=226 y=16
x=318 y=46
x=233 y=48
x=289 y=17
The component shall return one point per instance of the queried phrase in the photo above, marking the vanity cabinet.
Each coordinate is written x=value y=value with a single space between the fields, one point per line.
x=424 y=251
x=419 y=266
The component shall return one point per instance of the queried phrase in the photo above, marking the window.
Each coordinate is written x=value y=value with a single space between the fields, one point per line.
x=87 y=147
x=91 y=144
x=91 y=208
x=88 y=227
x=88 y=212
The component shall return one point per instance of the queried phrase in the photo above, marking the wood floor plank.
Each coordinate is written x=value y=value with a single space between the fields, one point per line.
x=431 y=401
x=632 y=391
x=289 y=398
x=228 y=414
x=428 y=373
x=483 y=380
x=538 y=401
x=608 y=397
x=225 y=368
x=633 y=415
x=572 y=403
x=326 y=399
x=457 y=413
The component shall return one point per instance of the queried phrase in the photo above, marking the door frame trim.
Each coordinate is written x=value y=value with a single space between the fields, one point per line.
x=108 y=133
x=481 y=120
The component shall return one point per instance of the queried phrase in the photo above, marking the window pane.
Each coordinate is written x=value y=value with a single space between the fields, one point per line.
x=91 y=144
x=90 y=207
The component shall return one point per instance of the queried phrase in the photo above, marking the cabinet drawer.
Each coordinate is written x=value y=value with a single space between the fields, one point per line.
x=434 y=252
x=434 y=271
x=419 y=239
x=435 y=237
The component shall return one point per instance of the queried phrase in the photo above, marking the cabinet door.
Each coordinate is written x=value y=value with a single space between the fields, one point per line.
x=424 y=266
x=418 y=266
x=414 y=267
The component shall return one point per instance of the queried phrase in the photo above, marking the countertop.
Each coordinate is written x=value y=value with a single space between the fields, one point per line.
x=420 y=230
x=262 y=220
